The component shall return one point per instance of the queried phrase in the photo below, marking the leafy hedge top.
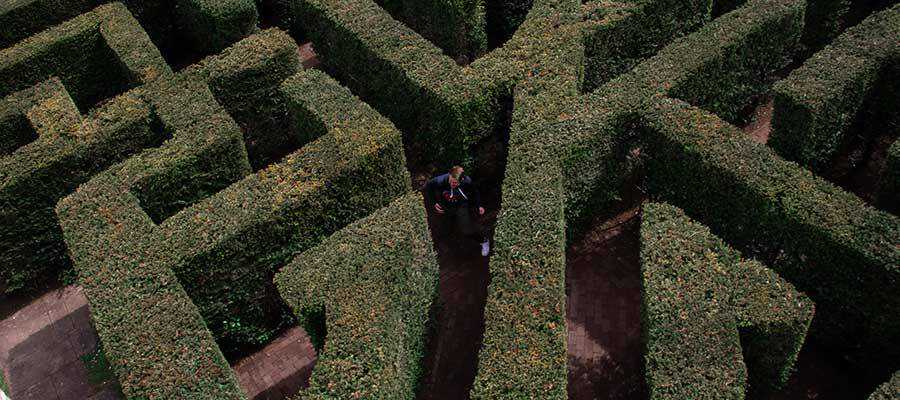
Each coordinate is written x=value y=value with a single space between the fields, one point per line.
x=825 y=241
x=698 y=295
x=156 y=340
x=525 y=339
x=96 y=54
x=816 y=103
x=377 y=280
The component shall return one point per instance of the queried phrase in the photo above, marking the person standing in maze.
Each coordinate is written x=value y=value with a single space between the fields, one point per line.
x=456 y=200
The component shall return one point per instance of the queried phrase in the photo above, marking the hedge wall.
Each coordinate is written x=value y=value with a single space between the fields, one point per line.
x=523 y=353
x=580 y=163
x=376 y=280
x=96 y=55
x=211 y=25
x=825 y=241
x=816 y=104
x=50 y=150
x=225 y=248
x=710 y=318
x=205 y=26
x=456 y=26
x=442 y=105
x=154 y=337
x=889 y=390
x=622 y=34
x=246 y=78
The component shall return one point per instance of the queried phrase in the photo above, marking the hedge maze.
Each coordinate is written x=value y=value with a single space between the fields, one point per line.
x=209 y=191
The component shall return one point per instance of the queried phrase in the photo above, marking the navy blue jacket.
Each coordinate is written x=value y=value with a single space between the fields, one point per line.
x=465 y=195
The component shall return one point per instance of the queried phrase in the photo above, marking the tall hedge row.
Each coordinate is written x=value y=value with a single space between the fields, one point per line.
x=96 y=56
x=827 y=242
x=712 y=322
x=622 y=34
x=407 y=78
x=225 y=248
x=456 y=26
x=558 y=174
x=156 y=341
x=51 y=148
x=376 y=280
x=817 y=103
x=206 y=25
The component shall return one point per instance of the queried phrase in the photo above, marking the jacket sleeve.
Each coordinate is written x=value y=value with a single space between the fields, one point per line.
x=433 y=189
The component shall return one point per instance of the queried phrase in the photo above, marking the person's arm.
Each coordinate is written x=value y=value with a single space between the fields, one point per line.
x=433 y=191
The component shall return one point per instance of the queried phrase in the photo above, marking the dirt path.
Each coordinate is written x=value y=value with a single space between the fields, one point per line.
x=760 y=125
x=603 y=311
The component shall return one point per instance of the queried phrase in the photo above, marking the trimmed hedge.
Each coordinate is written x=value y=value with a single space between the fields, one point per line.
x=816 y=104
x=226 y=248
x=154 y=337
x=622 y=34
x=376 y=280
x=710 y=318
x=890 y=390
x=444 y=106
x=96 y=56
x=523 y=351
x=246 y=78
x=825 y=241
x=207 y=25
x=579 y=165
x=211 y=25
x=50 y=149
x=504 y=17
x=456 y=26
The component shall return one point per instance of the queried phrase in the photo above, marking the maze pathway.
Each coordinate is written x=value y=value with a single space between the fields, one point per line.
x=603 y=311
x=41 y=347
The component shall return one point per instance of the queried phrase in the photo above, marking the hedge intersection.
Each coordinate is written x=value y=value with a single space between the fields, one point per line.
x=206 y=207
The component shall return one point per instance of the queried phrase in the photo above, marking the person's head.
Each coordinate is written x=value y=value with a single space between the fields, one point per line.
x=455 y=176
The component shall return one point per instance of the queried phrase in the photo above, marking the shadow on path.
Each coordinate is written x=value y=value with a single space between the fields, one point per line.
x=603 y=310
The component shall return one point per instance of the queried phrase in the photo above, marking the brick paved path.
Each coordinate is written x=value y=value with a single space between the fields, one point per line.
x=41 y=346
x=451 y=359
x=603 y=311
x=280 y=370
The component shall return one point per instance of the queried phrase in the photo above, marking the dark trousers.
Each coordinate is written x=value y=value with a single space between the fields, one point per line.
x=464 y=222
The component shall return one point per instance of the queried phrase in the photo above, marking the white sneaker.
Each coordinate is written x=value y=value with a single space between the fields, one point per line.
x=485 y=248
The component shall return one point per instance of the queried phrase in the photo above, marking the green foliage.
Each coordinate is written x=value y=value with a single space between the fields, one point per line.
x=816 y=104
x=203 y=26
x=622 y=34
x=211 y=25
x=709 y=317
x=376 y=280
x=456 y=26
x=48 y=147
x=825 y=241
